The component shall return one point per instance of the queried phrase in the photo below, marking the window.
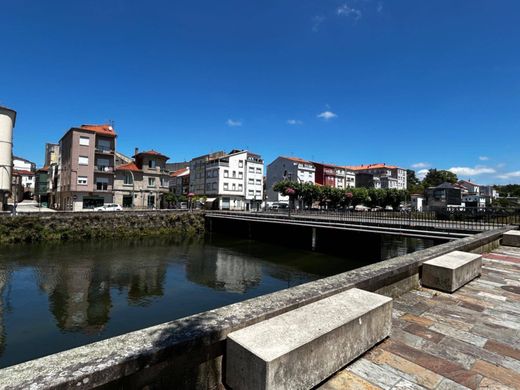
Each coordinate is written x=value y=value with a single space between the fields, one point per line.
x=234 y=173
x=215 y=186
x=234 y=187
x=128 y=180
x=258 y=192
x=151 y=182
x=82 y=180
x=240 y=163
x=226 y=173
x=252 y=169
x=251 y=181
x=83 y=160
x=102 y=183
x=258 y=170
x=151 y=164
x=250 y=192
x=208 y=186
x=85 y=141
x=240 y=175
x=240 y=187
x=104 y=145
x=258 y=181
x=226 y=186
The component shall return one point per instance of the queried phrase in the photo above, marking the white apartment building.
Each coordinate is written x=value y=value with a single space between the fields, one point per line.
x=235 y=181
x=288 y=168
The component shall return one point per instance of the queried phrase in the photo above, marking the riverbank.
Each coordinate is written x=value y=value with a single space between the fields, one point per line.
x=86 y=226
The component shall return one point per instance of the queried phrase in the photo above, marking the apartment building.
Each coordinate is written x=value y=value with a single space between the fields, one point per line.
x=86 y=174
x=143 y=182
x=26 y=171
x=235 y=181
x=180 y=181
x=288 y=168
x=198 y=172
x=469 y=187
x=334 y=176
x=388 y=172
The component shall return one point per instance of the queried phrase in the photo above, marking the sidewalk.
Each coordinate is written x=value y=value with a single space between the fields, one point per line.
x=468 y=339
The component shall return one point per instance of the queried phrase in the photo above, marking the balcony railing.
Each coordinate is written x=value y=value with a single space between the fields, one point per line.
x=103 y=169
x=104 y=150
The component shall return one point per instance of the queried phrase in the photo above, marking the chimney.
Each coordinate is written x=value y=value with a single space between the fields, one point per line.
x=136 y=151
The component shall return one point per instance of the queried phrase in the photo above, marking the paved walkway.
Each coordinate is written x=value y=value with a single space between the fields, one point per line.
x=468 y=339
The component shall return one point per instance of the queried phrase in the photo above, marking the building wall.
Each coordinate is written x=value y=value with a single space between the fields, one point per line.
x=280 y=169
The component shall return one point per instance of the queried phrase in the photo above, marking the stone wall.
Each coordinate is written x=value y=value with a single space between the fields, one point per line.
x=189 y=353
x=83 y=226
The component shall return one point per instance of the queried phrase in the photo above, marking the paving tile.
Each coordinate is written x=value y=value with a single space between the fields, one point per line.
x=438 y=365
x=489 y=384
x=497 y=333
x=424 y=332
x=499 y=374
x=448 y=384
x=408 y=369
x=417 y=319
x=462 y=325
x=460 y=335
x=347 y=380
x=373 y=373
x=502 y=349
x=403 y=384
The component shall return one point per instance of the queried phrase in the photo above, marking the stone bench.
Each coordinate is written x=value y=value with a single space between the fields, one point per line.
x=511 y=238
x=301 y=348
x=451 y=271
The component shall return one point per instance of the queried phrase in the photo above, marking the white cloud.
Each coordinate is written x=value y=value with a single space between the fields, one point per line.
x=326 y=115
x=421 y=165
x=509 y=175
x=422 y=173
x=294 y=122
x=468 y=171
x=316 y=22
x=346 y=10
x=379 y=7
x=483 y=158
x=233 y=123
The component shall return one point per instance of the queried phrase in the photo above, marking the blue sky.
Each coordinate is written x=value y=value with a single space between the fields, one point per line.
x=414 y=83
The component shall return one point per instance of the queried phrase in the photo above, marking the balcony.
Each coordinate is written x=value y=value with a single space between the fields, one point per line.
x=103 y=187
x=103 y=169
x=104 y=150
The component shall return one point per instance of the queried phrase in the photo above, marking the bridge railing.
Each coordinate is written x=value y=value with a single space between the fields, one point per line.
x=468 y=219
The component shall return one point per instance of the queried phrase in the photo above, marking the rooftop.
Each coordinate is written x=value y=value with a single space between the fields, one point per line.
x=104 y=129
x=371 y=166
x=180 y=172
x=128 y=167
x=466 y=340
x=151 y=153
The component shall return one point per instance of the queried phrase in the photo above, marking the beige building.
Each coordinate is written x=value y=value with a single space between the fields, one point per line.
x=143 y=182
x=86 y=176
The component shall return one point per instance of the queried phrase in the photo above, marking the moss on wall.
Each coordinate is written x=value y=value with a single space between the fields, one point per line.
x=85 y=226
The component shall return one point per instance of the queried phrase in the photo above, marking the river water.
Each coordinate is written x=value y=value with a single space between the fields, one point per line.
x=58 y=296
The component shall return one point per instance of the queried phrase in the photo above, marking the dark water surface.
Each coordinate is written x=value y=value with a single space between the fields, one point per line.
x=60 y=296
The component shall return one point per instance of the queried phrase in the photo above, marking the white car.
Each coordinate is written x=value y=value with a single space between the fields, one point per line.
x=360 y=207
x=109 y=207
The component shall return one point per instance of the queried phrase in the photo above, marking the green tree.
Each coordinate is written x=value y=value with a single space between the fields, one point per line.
x=170 y=199
x=436 y=177
x=414 y=185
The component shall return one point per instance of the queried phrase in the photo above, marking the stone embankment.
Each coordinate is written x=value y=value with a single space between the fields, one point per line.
x=84 y=226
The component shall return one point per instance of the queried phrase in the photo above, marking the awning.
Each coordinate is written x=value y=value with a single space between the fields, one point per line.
x=210 y=200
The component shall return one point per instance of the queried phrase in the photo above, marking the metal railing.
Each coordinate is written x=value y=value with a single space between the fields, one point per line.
x=467 y=220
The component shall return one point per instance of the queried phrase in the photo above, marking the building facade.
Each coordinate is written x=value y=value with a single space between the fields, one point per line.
x=198 y=172
x=287 y=168
x=235 y=181
x=388 y=172
x=143 y=182
x=180 y=182
x=86 y=173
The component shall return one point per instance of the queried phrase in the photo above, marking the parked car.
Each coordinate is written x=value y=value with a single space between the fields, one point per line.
x=278 y=206
x=360 y=207
x=389 y=208
x=377 y=208
x=109 y=207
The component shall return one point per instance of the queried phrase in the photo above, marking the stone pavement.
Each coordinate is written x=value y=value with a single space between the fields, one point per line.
x=468 y=339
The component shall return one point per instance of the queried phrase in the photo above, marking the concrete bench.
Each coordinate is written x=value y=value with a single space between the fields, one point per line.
x=511 y=238
x=451 y=271
x=301 y=348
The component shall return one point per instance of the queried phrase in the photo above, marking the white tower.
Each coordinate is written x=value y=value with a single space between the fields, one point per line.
x=7 y=122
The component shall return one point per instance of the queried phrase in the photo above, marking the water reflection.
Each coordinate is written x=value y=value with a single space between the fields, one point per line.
x=227 y=271
x=55 y=297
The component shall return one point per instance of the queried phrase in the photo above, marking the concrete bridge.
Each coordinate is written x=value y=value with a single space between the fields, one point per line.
x=420 y=225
